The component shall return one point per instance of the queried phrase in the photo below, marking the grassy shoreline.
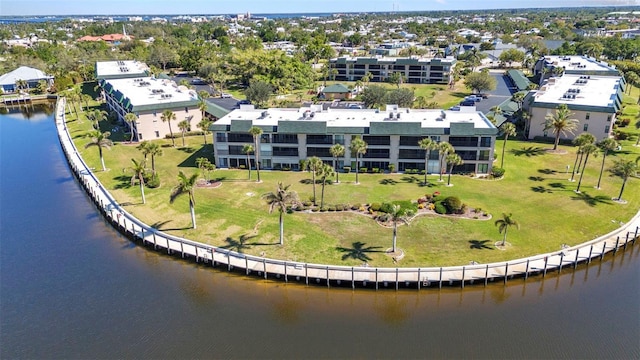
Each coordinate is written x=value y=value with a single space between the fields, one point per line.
x=535 y=189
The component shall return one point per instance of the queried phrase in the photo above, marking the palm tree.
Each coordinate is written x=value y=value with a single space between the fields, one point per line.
x=624 y=169
x=183 y=126
x=560 y=123
x=168 y=116
x=314 y=164
x=144 y=148
x=518 y=98
x=256 y=132
x=444 y=148
x=138 y=169
x=186 y=185
x=453 y=160
x=336 y=151
x=100 y=140
x=580 y=141
x=508 y=129
x=526 y=117
x=131 y=119
x=587 y=150
x=279 y=200
x=398 y=214
x=605 y=145
x=638 y=128
x=427 y=145
x=96 y=116
x=367 y=78
x=504 y=224
x=359 y=148
x=154 y=150
x=325 y=171
x=204 y=126
x=248 y=149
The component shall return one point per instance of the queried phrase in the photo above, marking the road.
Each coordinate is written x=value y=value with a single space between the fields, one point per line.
x=502 y=92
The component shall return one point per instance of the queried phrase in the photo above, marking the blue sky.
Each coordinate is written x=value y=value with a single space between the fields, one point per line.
x=116 y=7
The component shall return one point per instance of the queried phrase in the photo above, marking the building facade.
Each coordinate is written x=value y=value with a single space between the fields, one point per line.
x=392 y=136
x=593 y=101
x=413 y=70
x=148 y=98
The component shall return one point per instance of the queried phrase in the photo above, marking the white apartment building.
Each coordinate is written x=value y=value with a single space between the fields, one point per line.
x=392 y=135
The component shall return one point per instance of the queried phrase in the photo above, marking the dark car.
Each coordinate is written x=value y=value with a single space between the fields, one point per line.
x=468 y=103
x=243 y=102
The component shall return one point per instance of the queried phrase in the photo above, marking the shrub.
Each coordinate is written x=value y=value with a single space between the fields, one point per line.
x=422 y=201
x=392 y=168
x=432 y=206
x=375 y=206
x=346 y=169
x=429 y=197
x=386 y=208
x=477 y=210
x=307 y=203
x=384 y=217
x=421 y=206
x=331 y=208
x=620 y=135
x=440 y=208
x=375 y=170
x=323 y=209
x=436 y=194
x=453 y=204
x=356 y=207
x=463 y=209
x=315 y=209
x=152 y=181
x=363 y=169
x=497 y=172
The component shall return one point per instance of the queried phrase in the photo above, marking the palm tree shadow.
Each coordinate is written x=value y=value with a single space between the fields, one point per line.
x=388 y=182
x=557 y=185
x=540 y=189
x=479 y=245
x=159 y=224
x=547 y=171
x=410 y=179
x=592 y=200
x=358 y=251
x=536 y=178
x=238 y=245
x=528 y=151
x=124 y=182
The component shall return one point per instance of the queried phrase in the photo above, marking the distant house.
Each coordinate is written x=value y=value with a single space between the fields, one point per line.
x=30 y=75
x=336 y=91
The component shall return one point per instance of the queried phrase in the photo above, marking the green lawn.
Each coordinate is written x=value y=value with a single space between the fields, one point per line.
x=535 y=189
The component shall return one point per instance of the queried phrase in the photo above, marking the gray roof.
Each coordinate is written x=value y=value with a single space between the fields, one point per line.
x=23 y=73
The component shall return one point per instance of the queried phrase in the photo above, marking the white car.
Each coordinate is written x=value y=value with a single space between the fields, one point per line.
x=225 y=96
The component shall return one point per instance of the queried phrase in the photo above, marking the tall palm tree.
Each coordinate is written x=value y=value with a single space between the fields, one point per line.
x=398 y=214
x=183 y=126
x=325 y=171
x=580 y=141
x=96 y=116
x=138 y=169
x=314 y=164
x=131 y=119
x=427 y=145
x=560 y=123
x=256 y=132
x=638 y=128
x=605 y=146
x=624 y=168
x=144 y=148
x=508 y=129
x=100 y=140
x=337 y=151
x=453 y=160
x=526 y=117
x=168 y=116
x=518 y=98
x=204 y=126
x=279 y=200
x=186 y=185
x=504 y=224
x=154 y=150
x=359 y=148
x=248 y=149
x=587 y=150
x=444 y=148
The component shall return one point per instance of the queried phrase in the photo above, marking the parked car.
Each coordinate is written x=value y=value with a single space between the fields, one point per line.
x=243 y=102
x=225 y=95
x=355 y=106
x=468 y=103
x=482 y=95
x=198 y=82
x=455 y=108
x=473 y=98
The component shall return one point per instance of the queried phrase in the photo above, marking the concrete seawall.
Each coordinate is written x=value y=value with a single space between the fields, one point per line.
x=333 y=275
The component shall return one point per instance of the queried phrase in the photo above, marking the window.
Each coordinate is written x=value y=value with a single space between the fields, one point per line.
x=221 y=137
x=483 y=168
x=319 y=139
x=265 y=139
x=485 y=141
x=586 y=127
x=606 y=129
x=587 y=116
x=376 y=153
x=186 y=109
x=463 y=141
x=339 y=139
x=285 y=151
x=377 y=140
x=236 y=150
x=410 y=140
x=285 y=138
x=318 y=151
x=484 y=155
x=240 y=137
x=608 y=118
x=139 y=136
x=412 y=154
x=157 y=134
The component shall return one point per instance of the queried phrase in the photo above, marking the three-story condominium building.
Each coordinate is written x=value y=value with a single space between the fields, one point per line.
x=413 y=70
x=392 y=136
x=148 y=98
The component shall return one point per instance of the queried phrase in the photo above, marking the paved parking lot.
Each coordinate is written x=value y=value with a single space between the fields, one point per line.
x=502 y=92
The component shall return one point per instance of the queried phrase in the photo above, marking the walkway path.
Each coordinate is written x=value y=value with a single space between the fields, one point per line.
x=331 y=275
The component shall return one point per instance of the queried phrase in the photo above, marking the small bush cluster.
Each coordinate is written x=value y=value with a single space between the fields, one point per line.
x=497 y=172
x=152 y=180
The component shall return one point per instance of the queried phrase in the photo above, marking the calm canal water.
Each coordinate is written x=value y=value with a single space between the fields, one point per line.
x=72 y=287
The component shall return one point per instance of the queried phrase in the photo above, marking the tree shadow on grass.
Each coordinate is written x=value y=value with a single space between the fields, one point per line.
x=480 y=245
x=206 y=151
x=358 y=251
x=547 y=171
x=238 y=245
x=528 y=151
x=124 y=182
x=388 y=182
x=159 y=224
x=410 y=179
x=536 y=178
x=592 y=200
x=541 y=189
x=558 y=186
x=310 y=181
x=187 y=149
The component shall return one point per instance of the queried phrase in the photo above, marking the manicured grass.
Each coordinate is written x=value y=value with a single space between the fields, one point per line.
x=535 y=189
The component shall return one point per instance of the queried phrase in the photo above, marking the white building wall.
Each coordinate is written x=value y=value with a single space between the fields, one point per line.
x=599 y=124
